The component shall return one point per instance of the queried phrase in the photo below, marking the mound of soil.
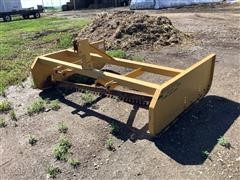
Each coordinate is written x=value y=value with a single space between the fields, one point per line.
x=128 y=30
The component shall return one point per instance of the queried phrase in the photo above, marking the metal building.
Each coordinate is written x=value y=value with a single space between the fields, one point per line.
x=81 y=4
x=10 y=5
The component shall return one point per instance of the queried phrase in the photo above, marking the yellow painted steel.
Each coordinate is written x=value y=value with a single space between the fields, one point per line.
x=168 y=99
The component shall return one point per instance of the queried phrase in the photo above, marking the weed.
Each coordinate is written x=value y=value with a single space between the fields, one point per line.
x=2 y=123
x=117 y=53
x=138 y=58
x=52 y=171
x=74 y=163
x=87 y=97
x=54 y=105
x=223 y=142
x=114 y=129
x=205 y=154
x=65 y=41
x=13 y=115
x=62 y=128
x=61 y=149
x=36 y=107
x=109 y=145
x=32 y=140
x=5 y=106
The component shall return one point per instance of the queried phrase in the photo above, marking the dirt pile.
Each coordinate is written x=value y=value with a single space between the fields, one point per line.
x=128 y=30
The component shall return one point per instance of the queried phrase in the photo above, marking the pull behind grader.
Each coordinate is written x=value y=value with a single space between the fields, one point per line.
x=166 y=101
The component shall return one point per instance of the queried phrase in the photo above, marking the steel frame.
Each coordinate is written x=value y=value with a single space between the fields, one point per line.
x=168 y=99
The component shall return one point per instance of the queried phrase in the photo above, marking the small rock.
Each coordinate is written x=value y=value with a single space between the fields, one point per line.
x=139 y=174
x=47 y=110
x=94 y=155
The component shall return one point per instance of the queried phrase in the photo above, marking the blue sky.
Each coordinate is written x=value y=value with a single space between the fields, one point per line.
x=34 y=3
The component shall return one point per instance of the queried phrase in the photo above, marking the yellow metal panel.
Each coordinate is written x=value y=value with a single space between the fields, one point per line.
x=179 y=93
x=136 y=84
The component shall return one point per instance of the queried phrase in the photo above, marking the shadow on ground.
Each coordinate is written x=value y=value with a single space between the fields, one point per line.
x=195 y=131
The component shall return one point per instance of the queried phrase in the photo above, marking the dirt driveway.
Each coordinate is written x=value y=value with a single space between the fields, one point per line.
x=176 y=154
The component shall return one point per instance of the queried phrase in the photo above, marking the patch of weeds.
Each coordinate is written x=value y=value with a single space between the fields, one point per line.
x=60 y=151
x=65 y=41
x=137 y=58
x=5 y=106
x=36 y=107
x=118 y=53
x=52 y=171
x=110 y=145
x=114 y=129
x=13 y=115
x=87 y=97
x=62 y=128
x=74 y=163
x=2 y=123
x=223 y=142
x=54 y=105
x=2 y=91
x=32 y=140
x=205 y=154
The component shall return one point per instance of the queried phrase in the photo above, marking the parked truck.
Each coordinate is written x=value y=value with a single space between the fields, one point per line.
x=9 y=8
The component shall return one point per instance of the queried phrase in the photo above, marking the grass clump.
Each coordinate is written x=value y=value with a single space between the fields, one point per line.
x=205 y=154
x=13 y=115
x=62 y=128
x=118 y=53
x=74 y=163
x=60 y=151
x=2 y=123
x=138 y=58
x=114 y=129
x=36 y=107
x=5 y=106
x=110 y=145
x=87 y=97
x=54 y=105
x=32 y=140
x=223 y=142
x=52 y=171
x=65 y=41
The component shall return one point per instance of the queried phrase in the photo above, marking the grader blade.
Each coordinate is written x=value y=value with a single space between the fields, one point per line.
x=167 y=100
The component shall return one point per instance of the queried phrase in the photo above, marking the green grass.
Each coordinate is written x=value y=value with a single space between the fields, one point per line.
x=62 y=128
x=114 y=129
x=223 y=142
x=5 y=106
x=137 y=58
x=118 y=53
x=32 y=140
x=2 y=123
x=52 y=171
x=36 y=107
x=60 y=151
x=74 y=163
x=13 y=115
x=110 y=145
x=65 y=41
x=54 y=105
x=19 y=44
x=87 y=97
x=205 y=154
